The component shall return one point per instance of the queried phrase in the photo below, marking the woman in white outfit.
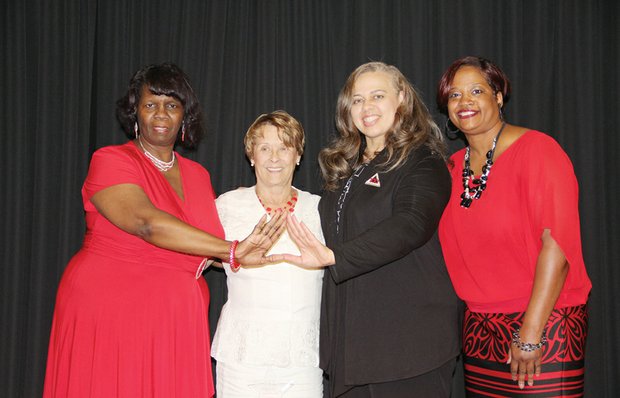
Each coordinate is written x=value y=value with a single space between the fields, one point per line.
x=267 y=338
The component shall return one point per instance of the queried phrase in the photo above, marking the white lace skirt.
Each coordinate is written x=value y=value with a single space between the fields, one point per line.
x=236 y=380
x=255 y=337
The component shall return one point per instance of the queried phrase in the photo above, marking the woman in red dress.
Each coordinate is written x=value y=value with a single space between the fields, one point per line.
x=131 y=310
x=510 y=236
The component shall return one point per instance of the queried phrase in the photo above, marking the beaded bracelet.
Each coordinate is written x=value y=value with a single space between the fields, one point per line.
x=234 y=265
x=528 y=347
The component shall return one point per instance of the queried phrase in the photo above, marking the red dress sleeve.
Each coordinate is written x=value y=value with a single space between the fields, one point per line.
x=109 y=166
x=553 y=196
x=554 y=204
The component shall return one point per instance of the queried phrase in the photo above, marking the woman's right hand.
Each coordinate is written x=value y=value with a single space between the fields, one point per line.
x=313 y=253
x=252 y=250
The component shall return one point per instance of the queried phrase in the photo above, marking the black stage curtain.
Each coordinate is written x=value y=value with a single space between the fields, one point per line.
x=64 y=64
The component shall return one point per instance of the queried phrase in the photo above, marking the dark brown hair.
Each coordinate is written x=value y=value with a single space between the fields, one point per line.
x=492 y=73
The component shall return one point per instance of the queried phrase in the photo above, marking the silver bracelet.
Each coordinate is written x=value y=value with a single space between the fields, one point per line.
x=528 y=347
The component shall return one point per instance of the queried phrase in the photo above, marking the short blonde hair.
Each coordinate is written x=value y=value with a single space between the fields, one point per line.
x=290 y=131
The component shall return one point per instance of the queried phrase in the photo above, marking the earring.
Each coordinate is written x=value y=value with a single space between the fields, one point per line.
x=297 y=163
x=501 y=111
x=452 y=132
x=135 y=129
x=183 y=133
x=252 y=163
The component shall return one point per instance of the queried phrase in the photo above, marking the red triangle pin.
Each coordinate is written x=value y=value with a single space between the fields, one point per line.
x=374 y=181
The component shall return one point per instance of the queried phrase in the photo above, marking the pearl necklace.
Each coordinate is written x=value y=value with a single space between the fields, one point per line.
x=471 y=192
x=290 y=204
x=160 y=164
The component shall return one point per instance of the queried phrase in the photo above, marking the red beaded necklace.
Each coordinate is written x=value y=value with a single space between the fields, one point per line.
x=290 y=204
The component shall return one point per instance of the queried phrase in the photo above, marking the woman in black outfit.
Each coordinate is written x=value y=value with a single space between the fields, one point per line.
x=390 y=317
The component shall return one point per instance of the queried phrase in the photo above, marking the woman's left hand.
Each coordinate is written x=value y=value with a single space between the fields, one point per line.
x=524 y=363
x=313 y=254
x=551 y=271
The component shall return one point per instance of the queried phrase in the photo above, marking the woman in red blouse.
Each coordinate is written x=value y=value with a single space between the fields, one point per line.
x=511 y=241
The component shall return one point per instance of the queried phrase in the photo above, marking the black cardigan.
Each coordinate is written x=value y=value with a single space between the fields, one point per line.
x=389 y=311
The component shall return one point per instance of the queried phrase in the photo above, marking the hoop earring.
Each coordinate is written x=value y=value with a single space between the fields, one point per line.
x=451 y=131
x=135 y=129
x=501 y=112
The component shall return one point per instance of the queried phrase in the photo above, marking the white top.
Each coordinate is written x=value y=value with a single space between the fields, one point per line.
x=272 y=313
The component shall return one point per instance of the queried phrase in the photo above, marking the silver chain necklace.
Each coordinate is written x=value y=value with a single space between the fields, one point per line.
x=160 y=164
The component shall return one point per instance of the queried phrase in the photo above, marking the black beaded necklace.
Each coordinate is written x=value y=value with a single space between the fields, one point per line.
x=474 y=191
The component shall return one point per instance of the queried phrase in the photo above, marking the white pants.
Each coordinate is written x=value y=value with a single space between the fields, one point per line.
x=236 y=380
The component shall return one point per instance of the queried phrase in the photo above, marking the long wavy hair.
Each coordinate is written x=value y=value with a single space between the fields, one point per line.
x=413 y=126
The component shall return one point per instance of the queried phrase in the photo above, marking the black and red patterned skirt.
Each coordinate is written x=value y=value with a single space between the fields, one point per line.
x=486 y=342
